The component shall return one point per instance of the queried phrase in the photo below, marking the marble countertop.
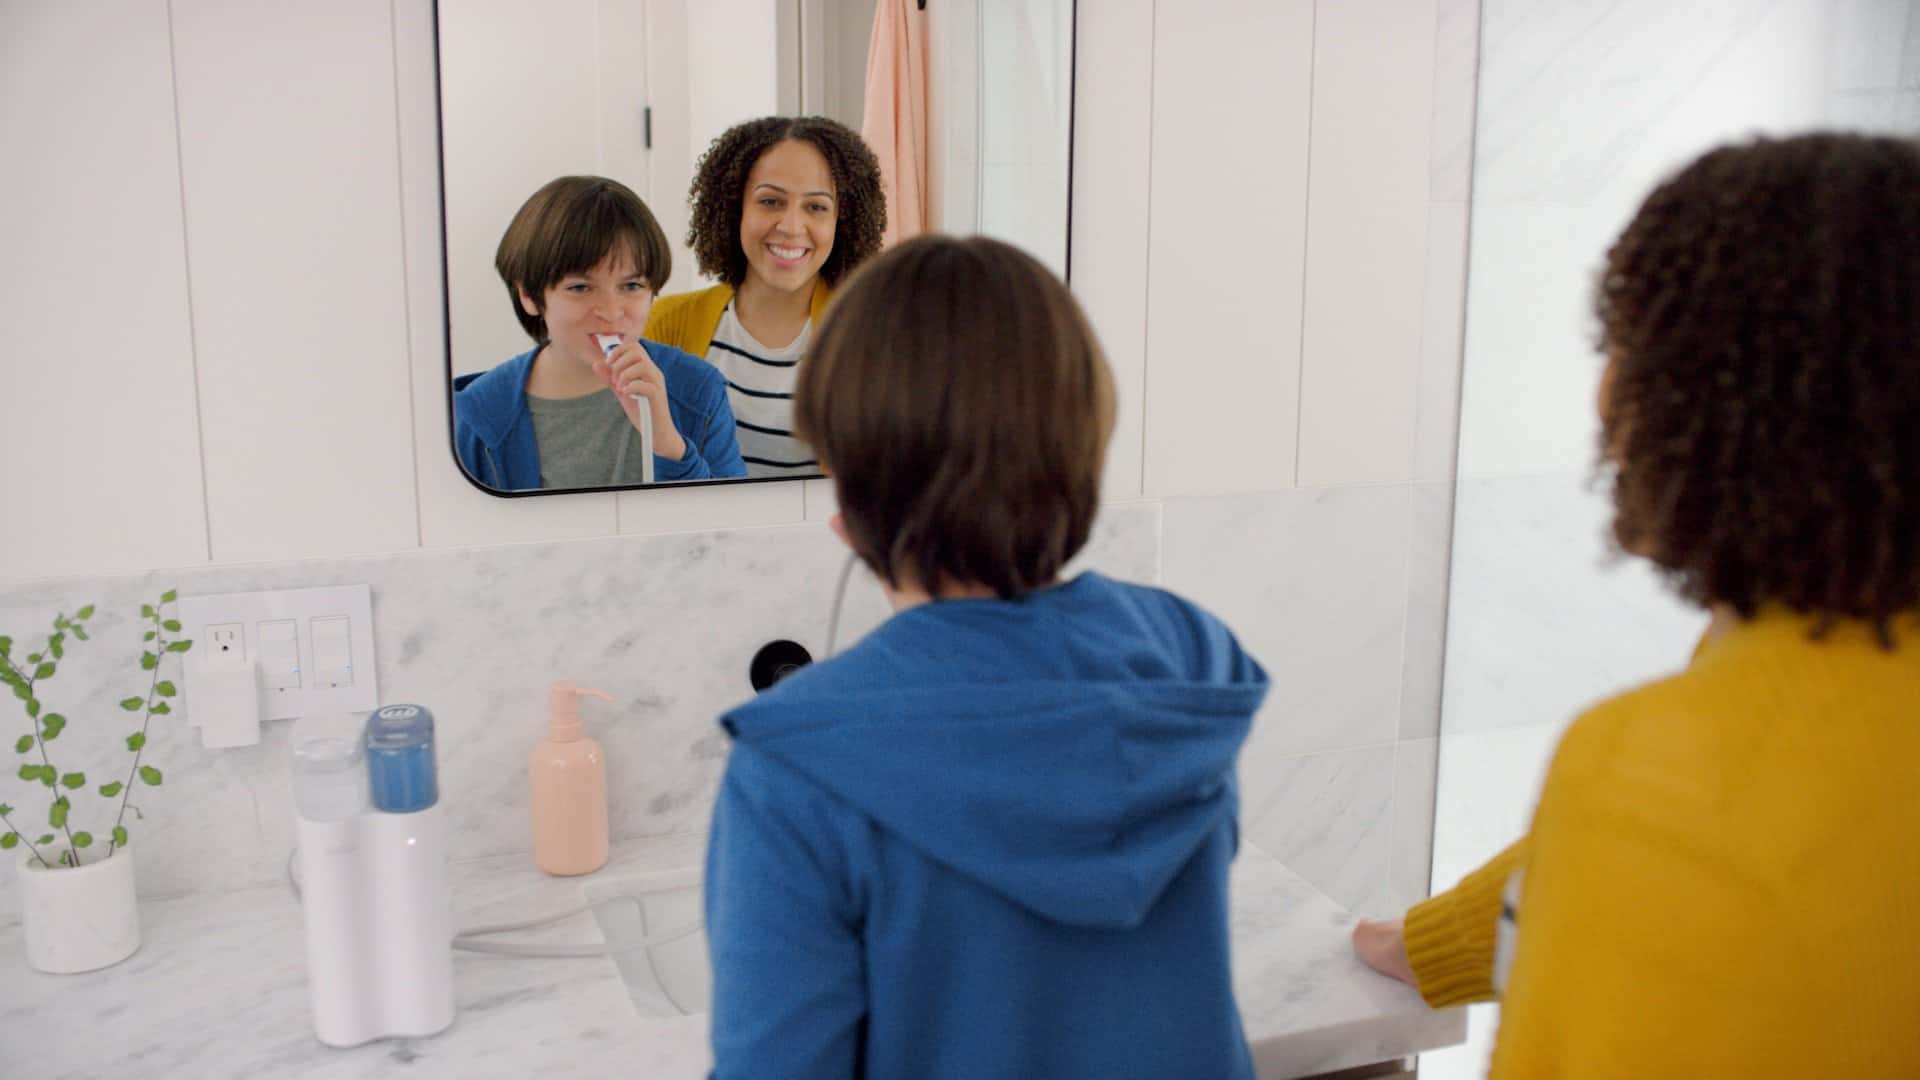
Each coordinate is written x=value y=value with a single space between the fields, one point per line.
x=218 y=988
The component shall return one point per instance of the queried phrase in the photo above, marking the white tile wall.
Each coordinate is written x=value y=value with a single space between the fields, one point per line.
x=1329 y=817
x=1415 y=769
x=1367 y=198
x=99 y=426
x=1227 y=243
x=1111 y=199
x=1429 y=556
x=289 y=159
x=1314 y=582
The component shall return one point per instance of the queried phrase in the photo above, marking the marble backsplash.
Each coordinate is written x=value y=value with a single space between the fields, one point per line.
x=667 y=624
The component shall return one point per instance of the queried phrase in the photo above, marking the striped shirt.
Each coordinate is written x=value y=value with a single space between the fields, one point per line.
x=760 y=389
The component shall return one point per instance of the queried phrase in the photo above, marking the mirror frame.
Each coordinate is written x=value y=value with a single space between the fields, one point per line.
x=446 y=291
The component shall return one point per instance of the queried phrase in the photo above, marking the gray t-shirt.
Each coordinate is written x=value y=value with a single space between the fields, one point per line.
x=584 y=441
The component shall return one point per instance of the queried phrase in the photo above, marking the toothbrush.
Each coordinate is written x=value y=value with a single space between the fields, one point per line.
x=608 y=343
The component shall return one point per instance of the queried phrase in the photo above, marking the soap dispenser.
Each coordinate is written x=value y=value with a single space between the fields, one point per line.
x=567 y=774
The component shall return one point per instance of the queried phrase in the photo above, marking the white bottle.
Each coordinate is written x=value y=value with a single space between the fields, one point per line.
x=330 y=798
x=373 y=861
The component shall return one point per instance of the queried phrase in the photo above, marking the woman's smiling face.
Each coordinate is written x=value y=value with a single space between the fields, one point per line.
x=790 y=213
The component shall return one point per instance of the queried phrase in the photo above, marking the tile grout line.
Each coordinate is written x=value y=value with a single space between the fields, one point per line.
x=186 y=260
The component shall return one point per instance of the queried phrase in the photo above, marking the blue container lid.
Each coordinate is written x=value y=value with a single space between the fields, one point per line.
x=401 y=774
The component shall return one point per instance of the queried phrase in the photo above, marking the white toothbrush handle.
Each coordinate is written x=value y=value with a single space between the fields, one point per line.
x=646 y=440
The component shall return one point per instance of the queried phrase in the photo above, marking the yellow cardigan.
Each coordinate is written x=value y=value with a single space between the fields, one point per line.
x=687 y=320
x=1722 y=877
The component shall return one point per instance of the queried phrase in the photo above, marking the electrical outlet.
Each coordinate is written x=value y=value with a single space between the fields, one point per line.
x=313 y=647
x=226 y=645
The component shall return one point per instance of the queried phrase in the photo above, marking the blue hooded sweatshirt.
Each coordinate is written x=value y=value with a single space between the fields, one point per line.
x=991 y=840
x=493 y=427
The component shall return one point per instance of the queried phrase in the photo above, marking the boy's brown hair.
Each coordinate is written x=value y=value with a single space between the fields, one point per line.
x=958 y=399
x=570 y=226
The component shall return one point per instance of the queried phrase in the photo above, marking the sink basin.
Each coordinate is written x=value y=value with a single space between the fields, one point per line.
x=670 y=977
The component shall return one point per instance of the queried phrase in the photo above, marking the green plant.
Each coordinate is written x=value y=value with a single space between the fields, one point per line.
x=27 y=679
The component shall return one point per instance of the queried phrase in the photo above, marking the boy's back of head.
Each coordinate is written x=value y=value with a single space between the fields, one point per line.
x=961 y=404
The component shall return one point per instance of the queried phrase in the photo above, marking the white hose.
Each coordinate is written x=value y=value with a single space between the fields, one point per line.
x=463 y=939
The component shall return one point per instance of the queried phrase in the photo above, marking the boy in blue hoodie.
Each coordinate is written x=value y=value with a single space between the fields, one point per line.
x=583 y=259
x=992 y=839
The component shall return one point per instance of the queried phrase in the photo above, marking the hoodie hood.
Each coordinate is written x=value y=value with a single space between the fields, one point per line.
x=493 y=402
x=1069 y=750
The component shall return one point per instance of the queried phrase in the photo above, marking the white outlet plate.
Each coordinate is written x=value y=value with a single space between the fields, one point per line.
x=299 y=606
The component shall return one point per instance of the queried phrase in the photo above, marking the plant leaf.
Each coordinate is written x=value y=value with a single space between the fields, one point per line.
x=44 y=671
x=74 y=780
x=25 y=744
x=146 y=611
x=132 y=704
x=33 y=707
x=9 y=841
x=149 y=661
x=179 y=646
x=20 y=691
x=120 y=835
x=164 y=688
x=33 y=658
x=47 y=839
x=5 y=809
x=57 y=816
x=6 y=645
x=172 y=626
x=136 y=740
x=110 y=790
x=83 y=839
x=29 y=772
x=149 y=636
x=84 y=613
x=150 y=774
x=161 y=708
x=54 y=644
x=52 y=725
x=81 y=634
x=169 y=596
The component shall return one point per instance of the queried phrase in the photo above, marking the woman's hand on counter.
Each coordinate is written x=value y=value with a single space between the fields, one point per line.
x=1382 y=945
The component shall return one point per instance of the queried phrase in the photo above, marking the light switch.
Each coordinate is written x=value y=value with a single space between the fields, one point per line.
x=279 y=655
x=332 y=651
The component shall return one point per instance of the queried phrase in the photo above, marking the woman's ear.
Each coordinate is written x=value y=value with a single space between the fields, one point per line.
x=528 y=304
x=839 y=527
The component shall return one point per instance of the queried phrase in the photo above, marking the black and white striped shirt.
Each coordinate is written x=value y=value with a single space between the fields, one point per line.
x=760 y=389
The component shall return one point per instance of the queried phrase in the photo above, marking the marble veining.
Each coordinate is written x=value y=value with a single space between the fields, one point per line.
x=668 y=624
x=218 y=989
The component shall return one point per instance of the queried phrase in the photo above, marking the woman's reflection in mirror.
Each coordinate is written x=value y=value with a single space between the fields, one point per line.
x=584 y=258
x=783 y=209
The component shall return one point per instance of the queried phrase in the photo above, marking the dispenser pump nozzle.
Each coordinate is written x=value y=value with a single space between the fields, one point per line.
x=563 y=709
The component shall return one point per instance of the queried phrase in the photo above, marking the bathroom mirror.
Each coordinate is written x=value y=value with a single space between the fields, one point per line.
x=636 y=91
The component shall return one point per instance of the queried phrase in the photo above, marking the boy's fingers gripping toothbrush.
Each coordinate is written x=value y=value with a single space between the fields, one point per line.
x=608 y=343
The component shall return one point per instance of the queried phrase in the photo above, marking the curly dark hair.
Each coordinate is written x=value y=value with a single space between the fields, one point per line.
x=1762 y=424
x=720 y=183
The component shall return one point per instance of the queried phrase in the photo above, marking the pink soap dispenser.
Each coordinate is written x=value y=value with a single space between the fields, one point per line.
x=567 y=773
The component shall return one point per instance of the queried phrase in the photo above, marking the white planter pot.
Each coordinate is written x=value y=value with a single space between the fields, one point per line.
x=78 y=918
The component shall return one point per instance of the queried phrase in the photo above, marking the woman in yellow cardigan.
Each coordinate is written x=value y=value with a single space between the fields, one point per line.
x=783 y=209
x=1722 y=877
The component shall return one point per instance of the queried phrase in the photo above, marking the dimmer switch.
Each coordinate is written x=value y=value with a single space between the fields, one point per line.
x=332 y=651
x=279 y=655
